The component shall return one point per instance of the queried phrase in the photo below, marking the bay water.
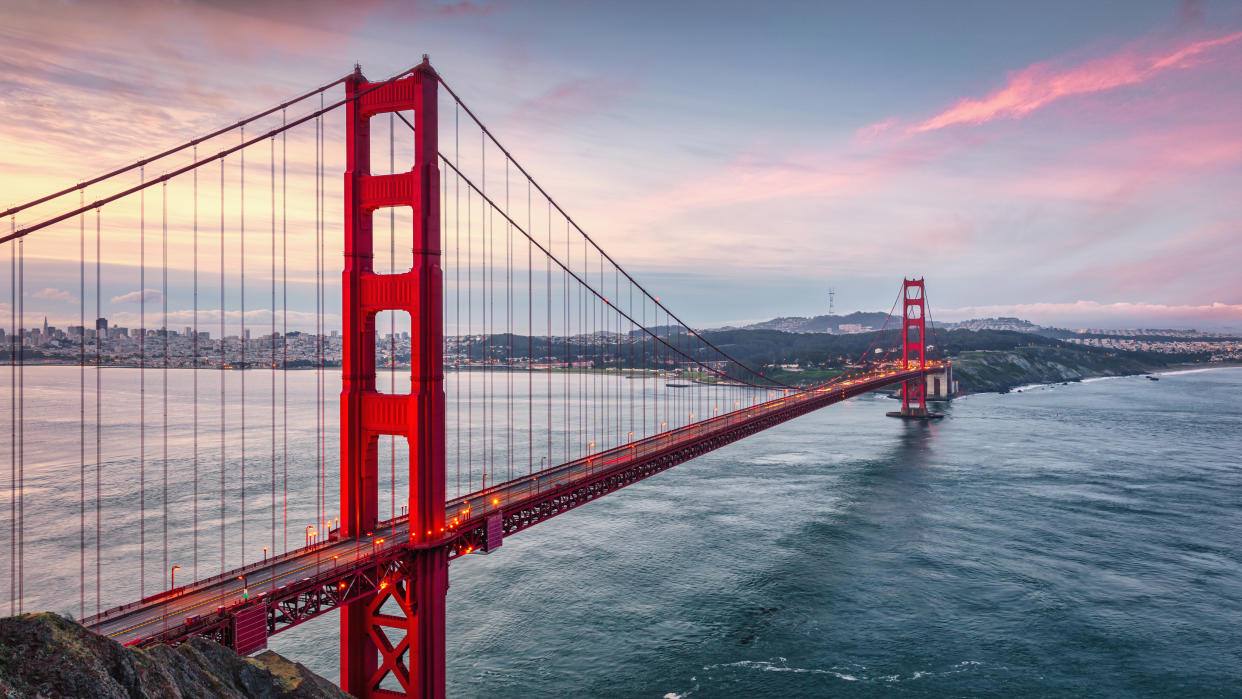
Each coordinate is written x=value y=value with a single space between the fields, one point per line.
x=1068 y=540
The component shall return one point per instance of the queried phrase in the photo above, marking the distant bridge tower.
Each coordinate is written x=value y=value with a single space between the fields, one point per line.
x=410 y=605
x=913 y=349
x=832 y=301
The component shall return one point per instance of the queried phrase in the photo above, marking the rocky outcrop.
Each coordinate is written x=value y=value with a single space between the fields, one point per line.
x=983 y=371
x=45 y=655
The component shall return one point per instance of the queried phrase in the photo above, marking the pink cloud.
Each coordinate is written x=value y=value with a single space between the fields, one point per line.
x=871 y=131
x=148 y=295
x=52 y=294
x=572 y=101
x=1041 y=84
x=1115 y=173
x=818 y=175
x=1182 y=256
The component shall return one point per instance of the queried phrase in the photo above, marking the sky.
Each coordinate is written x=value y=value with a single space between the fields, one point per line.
x=1075 y=164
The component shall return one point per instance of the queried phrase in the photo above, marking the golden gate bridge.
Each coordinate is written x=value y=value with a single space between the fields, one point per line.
x=568 y=380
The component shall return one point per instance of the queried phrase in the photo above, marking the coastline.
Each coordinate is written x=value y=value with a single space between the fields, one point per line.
x=1171 y=370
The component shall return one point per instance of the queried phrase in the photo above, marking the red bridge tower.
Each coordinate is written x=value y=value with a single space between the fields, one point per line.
x=913 y=349
x=368 y=657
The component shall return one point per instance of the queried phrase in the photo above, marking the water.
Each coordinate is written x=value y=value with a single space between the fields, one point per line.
x=1067 y=540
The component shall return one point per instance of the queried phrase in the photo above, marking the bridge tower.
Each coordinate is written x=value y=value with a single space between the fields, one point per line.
x=913 y=347
x=415 y=602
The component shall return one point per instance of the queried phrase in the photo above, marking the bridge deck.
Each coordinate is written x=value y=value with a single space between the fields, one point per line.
x=309 y=581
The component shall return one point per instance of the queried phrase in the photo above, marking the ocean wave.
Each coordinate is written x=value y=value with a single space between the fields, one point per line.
x=848 y=674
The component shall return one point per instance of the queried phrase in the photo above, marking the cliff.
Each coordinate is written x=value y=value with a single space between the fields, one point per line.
x=983 y=371
x=45 y=655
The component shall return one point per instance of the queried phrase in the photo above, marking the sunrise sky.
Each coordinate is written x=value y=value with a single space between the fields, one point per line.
x=1076 y=164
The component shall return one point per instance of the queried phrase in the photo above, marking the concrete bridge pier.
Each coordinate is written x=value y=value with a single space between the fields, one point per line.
x=936 y=386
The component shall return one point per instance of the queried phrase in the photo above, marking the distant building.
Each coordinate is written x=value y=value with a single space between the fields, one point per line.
x=850 y=328
x=101 y=325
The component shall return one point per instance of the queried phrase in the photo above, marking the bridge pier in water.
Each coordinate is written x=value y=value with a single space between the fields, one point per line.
x=410 y=601
x=914 y=351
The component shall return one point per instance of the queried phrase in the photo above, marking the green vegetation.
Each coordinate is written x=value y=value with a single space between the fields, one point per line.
x=1003 y=370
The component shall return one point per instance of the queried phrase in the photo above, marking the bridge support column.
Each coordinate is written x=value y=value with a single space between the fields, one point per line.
x=392 y=643
x=913 y=350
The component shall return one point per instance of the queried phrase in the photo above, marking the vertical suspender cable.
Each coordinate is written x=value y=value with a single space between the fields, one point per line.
x=392 y=320
x=82 y=406
x=530 y=338
x=508 y=333
x=319 y=328
x=616 y=295
x=272 y=335
x=142 y=385
x=444 y=310
x=470 y=340
x=98 y=427
x=241 y=365
x=584 y=419
x=485 y=296
x=21 y=425
x=223 y=377
x=284 y=333
x=547 y=262
x=15 y=341
x=318 y=340
x=194 y=370
x=323 y=331
x=568 y=334
x=164 y=348
x=457 y=376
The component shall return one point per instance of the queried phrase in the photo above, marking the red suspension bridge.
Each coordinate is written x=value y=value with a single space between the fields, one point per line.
x=541 y=376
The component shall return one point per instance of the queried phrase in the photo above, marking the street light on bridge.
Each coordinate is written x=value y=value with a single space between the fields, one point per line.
x=172 y=577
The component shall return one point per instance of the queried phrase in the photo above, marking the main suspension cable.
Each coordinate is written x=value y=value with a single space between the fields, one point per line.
x=584 y=234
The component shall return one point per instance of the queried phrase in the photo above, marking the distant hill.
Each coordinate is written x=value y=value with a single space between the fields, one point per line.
x=825 y=323
x=857 y=321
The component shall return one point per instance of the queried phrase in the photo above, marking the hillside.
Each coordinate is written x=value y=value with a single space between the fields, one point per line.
x=979 y=371
x=821 y=324
x=45 y=655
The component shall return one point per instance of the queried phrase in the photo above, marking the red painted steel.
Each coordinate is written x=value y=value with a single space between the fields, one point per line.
x=913 y=318
x=411 y=603
x=250 y=630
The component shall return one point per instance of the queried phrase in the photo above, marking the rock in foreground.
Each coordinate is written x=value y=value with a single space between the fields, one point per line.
x=45 y=655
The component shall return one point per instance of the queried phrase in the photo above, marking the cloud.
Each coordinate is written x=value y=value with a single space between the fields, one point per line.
x=572 y=101
x=1041 y=84
x=151 y=296
x=258 y=320
x=51 y=294
x=872 y=131
x=1097 y=312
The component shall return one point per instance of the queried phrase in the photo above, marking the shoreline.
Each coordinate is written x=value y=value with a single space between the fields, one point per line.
x=1171 y=370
